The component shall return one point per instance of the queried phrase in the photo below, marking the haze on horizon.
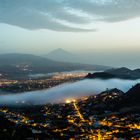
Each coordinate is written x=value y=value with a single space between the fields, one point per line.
x=105 y=32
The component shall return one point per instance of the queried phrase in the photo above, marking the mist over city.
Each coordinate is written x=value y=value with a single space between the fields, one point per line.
x=69 y=69
x=61 y=93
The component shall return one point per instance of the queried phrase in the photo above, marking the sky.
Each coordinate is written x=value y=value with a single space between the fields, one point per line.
x=104 y=31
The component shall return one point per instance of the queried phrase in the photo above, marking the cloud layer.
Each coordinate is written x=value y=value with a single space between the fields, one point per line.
x=66 y=15
x=66 y=91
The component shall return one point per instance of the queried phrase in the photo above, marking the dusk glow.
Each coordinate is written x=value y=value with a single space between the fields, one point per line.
x=69 y=69
x=104 y=31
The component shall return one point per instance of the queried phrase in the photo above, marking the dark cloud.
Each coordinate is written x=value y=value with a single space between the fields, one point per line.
x=108 y=10
x=60 y=15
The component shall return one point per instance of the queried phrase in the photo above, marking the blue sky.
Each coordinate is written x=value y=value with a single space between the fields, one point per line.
x=99 y=27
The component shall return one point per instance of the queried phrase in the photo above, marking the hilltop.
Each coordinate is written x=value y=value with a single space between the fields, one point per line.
x=122 y=73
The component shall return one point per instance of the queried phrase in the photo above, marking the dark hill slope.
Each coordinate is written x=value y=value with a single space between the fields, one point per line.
x=122 y=73
x=24 y=64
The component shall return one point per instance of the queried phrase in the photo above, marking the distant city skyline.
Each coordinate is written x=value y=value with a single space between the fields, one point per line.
x=106 y=32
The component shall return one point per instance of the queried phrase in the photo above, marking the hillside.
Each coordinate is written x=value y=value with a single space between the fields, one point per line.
x=132 y=97
x=15 y=58
x=102 y=75
x=23 y=64
x=129 y=101
x=122 y=73
x=125 y=73
x=115 y=100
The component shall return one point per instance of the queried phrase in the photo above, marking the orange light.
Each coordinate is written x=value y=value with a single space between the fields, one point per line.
x=68 y=101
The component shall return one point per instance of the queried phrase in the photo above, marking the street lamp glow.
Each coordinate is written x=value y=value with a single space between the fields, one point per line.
x=68 y=101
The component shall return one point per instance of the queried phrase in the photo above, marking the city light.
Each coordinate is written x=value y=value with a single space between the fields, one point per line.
x=68 y=101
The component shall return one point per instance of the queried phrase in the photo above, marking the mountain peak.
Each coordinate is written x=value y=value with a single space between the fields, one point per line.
x=60 y=50
x=61 y=55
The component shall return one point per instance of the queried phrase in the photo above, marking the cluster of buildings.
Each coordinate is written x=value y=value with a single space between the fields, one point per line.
x=37 y=84
x=71 y=120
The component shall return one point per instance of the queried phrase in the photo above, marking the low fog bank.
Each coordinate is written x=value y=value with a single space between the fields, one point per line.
x=48 y=75
x=70 y=90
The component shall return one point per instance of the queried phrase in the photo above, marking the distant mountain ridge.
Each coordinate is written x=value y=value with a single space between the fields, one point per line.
x=66 y=56
x=16 y=59
x=23 y=64
x=122 y=73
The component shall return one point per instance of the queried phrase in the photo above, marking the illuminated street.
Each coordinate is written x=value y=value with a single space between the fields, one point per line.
x=67 y=120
